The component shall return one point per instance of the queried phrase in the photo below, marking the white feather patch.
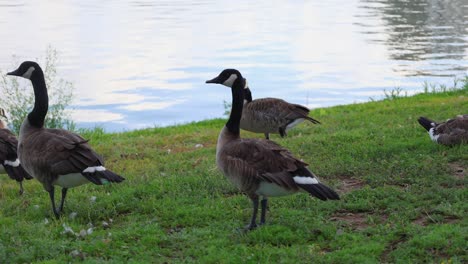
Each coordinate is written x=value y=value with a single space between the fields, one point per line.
x=246 y=84
x=230 y=81
x=15 y=163
x=29 y=72
x=94 y=169
x=305 y=180
x=432 y=135
x=71 y=180
x=294 y=123
x=270 y=190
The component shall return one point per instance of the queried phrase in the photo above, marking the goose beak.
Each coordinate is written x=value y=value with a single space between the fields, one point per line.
x=215 y=80
x=15 y=73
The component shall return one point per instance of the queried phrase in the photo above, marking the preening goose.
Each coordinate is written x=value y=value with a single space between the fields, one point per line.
x=451 y=132
x=55 y=156
x=271 y=115
x=8 y=154
x=260 y=167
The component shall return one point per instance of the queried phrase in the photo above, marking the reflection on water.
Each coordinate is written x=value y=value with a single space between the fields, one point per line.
x=419 y=30
x=143 y=63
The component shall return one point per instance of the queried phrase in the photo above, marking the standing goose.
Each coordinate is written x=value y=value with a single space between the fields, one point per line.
x=260 y=167
x=55 y=156
x=452 y=132
x=8 y=154
x=271 y=115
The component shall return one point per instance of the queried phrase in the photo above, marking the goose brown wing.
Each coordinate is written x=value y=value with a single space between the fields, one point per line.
x=278 y=109
x=453 y=137
x=64 y=152
x=263 y=160
x=455 y=124
x=8 y=145
x=275 y=108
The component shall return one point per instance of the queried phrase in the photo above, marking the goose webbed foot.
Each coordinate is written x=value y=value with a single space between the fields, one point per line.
x=250 y=227
x=52 y=200
x=253 y=220
x=64 y=194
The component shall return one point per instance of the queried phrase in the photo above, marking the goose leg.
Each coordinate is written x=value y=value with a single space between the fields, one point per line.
x=253 y=221
x=282 y=131
x=267 y=135
x=263 y=204
x=51 y=195
x=64 y=193
x=21 y=188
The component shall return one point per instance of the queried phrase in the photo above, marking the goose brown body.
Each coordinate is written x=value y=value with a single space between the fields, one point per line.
x=451 y=132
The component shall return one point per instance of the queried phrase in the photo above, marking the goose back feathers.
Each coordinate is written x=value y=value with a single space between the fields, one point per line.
x=451 y=132
x=272 y=115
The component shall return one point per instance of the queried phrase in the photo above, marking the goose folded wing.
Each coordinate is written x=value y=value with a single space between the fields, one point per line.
x=69 y=153
x=266 y=109
x=8 y=146
x=266 y=161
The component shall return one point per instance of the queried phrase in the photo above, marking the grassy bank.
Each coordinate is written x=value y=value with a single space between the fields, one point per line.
x=403 y=197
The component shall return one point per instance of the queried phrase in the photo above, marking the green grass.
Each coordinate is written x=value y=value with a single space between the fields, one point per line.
x=402 y=199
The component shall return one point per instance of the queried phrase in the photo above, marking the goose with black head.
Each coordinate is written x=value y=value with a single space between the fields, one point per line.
x=260 y=167
x=55 y=157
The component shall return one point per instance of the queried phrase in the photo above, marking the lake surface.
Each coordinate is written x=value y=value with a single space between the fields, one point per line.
x=138 y=64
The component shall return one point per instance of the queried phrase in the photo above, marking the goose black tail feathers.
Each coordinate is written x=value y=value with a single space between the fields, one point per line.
x=320 y=191
x=426 y=123
x=103 y=177
x=314 y=121
x=17 y=173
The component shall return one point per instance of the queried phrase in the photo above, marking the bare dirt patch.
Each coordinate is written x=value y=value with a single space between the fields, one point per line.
x=458 y=170
x=350 y=184
x=424 y=220
x=357 y=221
x=391 y=247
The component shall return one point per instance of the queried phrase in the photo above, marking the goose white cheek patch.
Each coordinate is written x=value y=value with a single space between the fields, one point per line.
x=431 y=134
x=305 y=180
x=94 y=169
x=15 y=163
x=29 y=72
x=230 y=81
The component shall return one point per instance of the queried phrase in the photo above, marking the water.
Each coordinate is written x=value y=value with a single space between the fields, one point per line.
x=138 y=64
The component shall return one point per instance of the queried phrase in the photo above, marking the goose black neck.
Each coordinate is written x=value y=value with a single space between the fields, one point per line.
x=41 y=100
x=233 y=122
x=247 y=95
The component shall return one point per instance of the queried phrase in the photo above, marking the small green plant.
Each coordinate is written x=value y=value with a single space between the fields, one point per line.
x=227 y=108
x=394 y=93
x=18 y=97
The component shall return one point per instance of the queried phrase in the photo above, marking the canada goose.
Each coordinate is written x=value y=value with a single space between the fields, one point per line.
x=260 y=167
x=55 y=156
x=451 y=132
x=8 y=154
x=271 y=115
